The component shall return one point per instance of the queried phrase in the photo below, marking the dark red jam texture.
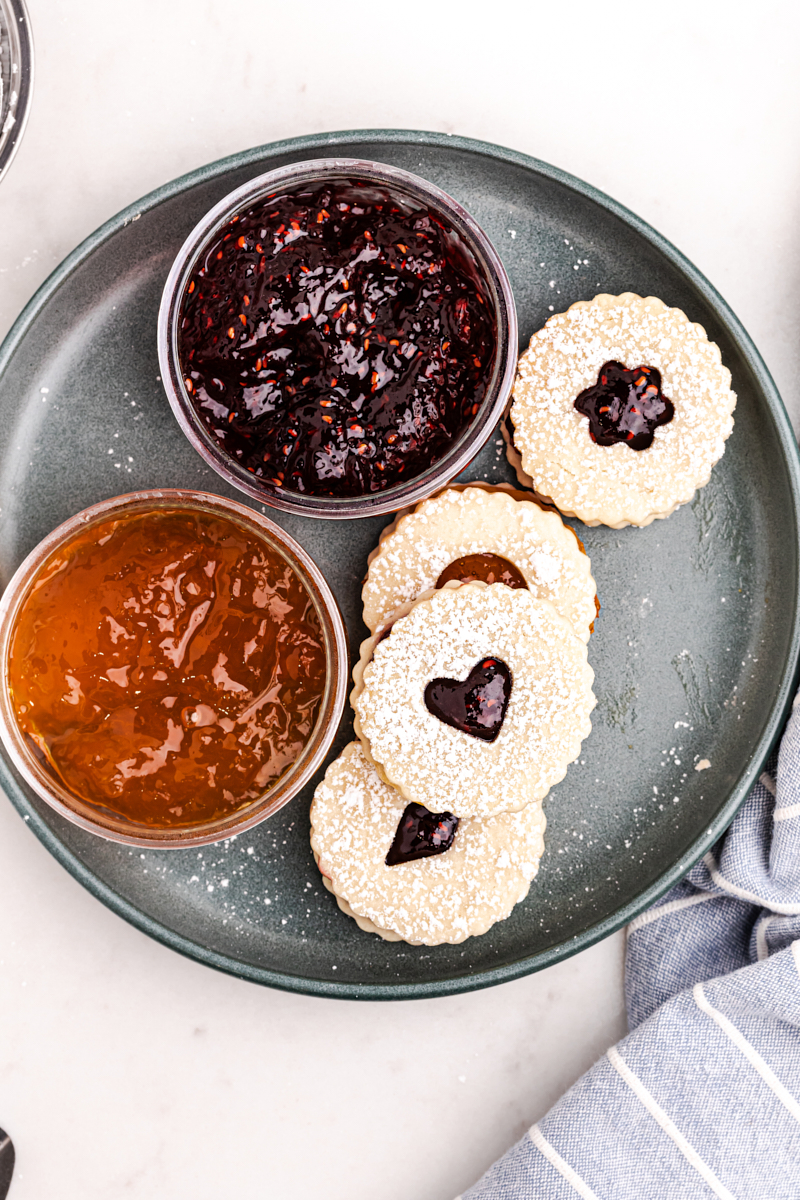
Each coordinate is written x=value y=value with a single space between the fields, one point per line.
x=336 y=340
x=478 y=705
x=625 y=406
x=421 y=834
x=489 y=568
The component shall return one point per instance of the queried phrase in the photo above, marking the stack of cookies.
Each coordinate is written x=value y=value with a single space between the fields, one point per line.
x=471 y=698
x=473 y=694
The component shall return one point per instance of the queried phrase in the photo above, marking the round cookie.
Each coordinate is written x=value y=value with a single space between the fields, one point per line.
x=444 y=898
x=462 y=521
x=614 y=484
x=444 y=642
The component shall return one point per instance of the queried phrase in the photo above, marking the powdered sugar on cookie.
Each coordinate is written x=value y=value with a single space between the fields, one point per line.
x=445 y=898
x=445 y=636
x=614 y=485
x=475 y=520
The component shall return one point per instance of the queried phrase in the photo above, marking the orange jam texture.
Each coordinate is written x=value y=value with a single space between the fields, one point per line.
x=489 y=568
x=168 y=666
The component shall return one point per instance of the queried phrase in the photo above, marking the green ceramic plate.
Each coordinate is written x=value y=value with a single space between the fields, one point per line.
x=695 y=652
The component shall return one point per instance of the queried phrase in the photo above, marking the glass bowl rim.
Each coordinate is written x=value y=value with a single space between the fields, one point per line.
x=14 y=15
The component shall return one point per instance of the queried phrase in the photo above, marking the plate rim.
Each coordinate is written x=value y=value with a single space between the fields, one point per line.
x=783 y=695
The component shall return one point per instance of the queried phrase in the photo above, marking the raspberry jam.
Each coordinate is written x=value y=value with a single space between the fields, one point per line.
x=337 y=339
x=421 y=834
x=478 y=704
x=625 y=406
x=167 y=667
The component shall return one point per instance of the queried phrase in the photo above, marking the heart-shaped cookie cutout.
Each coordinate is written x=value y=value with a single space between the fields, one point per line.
x=477 y=705
x=420 y=834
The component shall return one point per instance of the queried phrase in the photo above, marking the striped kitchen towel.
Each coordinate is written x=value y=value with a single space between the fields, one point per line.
x=702 y=1098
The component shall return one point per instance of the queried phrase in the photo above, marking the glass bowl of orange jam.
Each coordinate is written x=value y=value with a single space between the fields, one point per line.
x=174 y=668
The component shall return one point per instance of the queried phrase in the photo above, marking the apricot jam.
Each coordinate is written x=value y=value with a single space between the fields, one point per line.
x=489 y=568
x=336 y=339
x=167 y=666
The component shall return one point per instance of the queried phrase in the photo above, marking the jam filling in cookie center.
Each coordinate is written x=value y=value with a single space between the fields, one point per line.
x=477 y=705
x=421 y=834
x=625 y=406
x=488 y=568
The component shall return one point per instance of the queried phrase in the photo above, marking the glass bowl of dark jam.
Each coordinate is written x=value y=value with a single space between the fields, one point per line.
x=174 y=669
x=338 y=338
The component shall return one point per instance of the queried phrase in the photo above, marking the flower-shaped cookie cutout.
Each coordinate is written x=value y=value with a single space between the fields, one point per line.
x=554 y=449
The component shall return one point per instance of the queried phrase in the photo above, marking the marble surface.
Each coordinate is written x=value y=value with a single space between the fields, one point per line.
x=125 y=1070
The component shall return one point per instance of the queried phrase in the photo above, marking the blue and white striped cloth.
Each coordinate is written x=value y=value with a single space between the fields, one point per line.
x=702 y=1098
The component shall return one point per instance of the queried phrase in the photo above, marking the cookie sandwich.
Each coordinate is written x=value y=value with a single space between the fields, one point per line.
x=475 y=701
x=621 y=408
x=477 y=532
x=408 y=874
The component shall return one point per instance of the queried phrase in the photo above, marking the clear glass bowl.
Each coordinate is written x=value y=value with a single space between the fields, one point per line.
x=463 y=449
x=16 y=77
x=118 y=828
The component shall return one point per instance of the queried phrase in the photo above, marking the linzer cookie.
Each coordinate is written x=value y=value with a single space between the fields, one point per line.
x=621 y=408
x=475 y=701
x=470 y=533
x=454 y=878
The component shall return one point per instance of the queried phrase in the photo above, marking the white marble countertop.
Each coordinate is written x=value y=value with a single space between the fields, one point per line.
x=125 y=1070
